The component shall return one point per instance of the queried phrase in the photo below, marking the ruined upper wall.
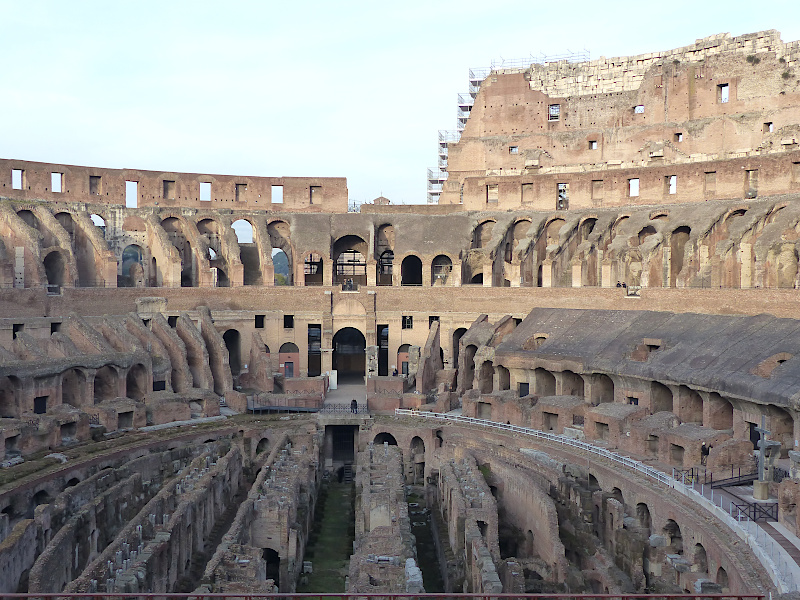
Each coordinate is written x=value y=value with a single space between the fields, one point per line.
x=626 y=73
x=26 y=180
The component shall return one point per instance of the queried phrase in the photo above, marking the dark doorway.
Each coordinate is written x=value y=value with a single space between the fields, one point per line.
x=349 y=355
x=383 y=350
x=273 y=560
x=342 y=445
x=233 y=343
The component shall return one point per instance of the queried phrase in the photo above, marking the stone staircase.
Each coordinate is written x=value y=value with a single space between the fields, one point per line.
x=347 y=476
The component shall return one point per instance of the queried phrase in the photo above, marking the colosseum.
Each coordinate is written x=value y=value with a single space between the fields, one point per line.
x=572 y=371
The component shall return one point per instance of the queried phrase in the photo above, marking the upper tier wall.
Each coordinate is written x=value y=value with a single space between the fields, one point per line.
x=25 y=180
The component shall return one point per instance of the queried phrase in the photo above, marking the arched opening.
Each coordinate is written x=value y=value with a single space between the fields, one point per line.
x=482 y=234
x=280 y=263
x=154 y=279
x=418 y=458
x=645 y=233
x=273 y=560
x=289 y=358
x=553 y=231
x=571 y=384
x=312 y=269
x=222 y=278
x=248 y=252
x=503 y=378
x=486 y=377
x=722 y=579
x=385 y=438
x=73 y=383
x=40 y=497
x=105 y=384
x=602 y=389
x=700 y=559
x=65 y=220
x=691 y=405
x=349 y=259
x=673 y=534
x=385 y=268
x=544 y=382
x=457 y=335
x=262 y=446
x=660 y=398
x=136 y=382
x=29 y=218
x=280 y=239
x=477 y=279
x=55 y=268
x=384 y=251
x=233 y=342
x=678 y=240
x=411 y=271
x=99 y=222
x=781 y=424
x=402 y=358
x=174 y=228
x=469 y=366
x=720 y=413
x=132 y=256
x=643 y=515
x=349 y=355
x=8 y=397
x=441 y=267
x=518 y=233
x=586 y=228
x=72 y=483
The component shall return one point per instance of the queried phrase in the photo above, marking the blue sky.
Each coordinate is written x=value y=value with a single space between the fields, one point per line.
x=353 y=89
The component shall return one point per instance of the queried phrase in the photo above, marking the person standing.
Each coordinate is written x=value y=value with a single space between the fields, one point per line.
x=354 y=406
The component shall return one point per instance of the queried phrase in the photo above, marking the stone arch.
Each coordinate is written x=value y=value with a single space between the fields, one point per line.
x=29 y=218
x=672 y=532
x=249 y=252
x=517 y=233
x=176 y=234
x=280 y=238
x=571 y=384
x=73 y=387
x=486 y=377
x=106 y=385
x=691 y=405
x=602 y=389
x=55 y=268
x=552 y=231
x=643 y=516
x=700 y=559
x=469 y=366
x=482 y=234
x=722 y=579
x=349 y=354
x=441 y=267
x=136 y=382
x=457 y=335
x=385 y=268
x=677 y=242
x=544 y=382
x=289 y=358
x=782 y=427
x=263 y=445
x=417 y=445
x=349 y=308
x=402 y=358
x=644 y=233
x=313 y=268
x=586 y=228
x=282 y=267
x=66 y=221
x=720 y=412
x=132 y=255
x=350 y=260
x=385 y=436
x=411 y=270
x=503 y=378
x=233 y=342
x=384 y=239
x=660 y=398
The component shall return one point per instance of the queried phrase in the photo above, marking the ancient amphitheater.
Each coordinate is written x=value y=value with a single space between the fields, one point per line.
x=556 y=364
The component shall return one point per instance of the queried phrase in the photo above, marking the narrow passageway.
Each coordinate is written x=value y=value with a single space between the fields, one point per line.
x=331 y=541
x=421 y=524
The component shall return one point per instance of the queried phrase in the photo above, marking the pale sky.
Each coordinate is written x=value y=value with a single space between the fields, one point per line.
x=347 y=89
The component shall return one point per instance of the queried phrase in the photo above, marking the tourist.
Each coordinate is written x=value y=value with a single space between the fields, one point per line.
x=354 y=406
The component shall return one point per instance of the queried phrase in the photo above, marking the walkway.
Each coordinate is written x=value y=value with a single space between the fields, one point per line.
x=349 y=387
x=775 y=547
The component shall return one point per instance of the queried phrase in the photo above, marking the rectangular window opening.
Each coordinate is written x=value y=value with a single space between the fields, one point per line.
x=56 y=182
x=768 y=127
x=562 y=196
x=723 y=93
x=751 y=183
x=40 y=405
x=527 y=193
x=513 y=149
x=17 y=328
x=314 y=194
x=240 y=190
x=55 y=328
x=598 y=187
x=524 y=389
x=131 y=194
x=95 y=185
x=277 y=194
x=633 y=187
x=288 y=321
x=17 y=179
x=408 y=322
x=259 y=322
x=796 y=172
x=553 y=112
x=710 y=186
x=638 y=109
x=678 y=137
x=159 y=386
x=671 y=184
x=633 y=401
x=492 y=193
x=592 y=144
x=205 y=191
x=431 y=319
x=172 y=321
x=169 y=189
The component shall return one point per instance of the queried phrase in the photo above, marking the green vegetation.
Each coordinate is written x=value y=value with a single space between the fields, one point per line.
x=753 y=59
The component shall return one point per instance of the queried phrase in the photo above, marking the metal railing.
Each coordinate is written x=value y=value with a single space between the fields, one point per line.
x=342 y=409
x=379 y=596
x=769 y=555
